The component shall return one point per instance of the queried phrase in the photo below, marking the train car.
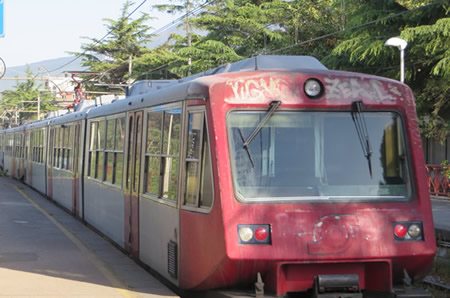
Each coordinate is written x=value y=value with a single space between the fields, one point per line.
x=272 y=175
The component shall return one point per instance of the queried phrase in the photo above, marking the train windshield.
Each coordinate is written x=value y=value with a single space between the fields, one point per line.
x=319 y=156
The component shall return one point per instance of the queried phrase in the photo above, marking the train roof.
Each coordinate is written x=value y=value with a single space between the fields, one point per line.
x=150 y=93
x=37 y=124
x=68 y=118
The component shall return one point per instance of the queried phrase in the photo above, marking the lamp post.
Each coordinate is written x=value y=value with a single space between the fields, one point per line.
x=401 y=44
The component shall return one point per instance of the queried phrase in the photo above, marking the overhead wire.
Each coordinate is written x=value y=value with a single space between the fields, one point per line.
x=181 y=18
x=98 y=41
x=198 y=8
x=312 y=39
x=167 y=27
x=355 y=27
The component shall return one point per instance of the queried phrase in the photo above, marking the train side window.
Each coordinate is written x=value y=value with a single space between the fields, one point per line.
x=110 y=137
x=162 y=154
x=41 y=145
x=106 y=146
x=93 y=150
x=115 y=134
x=153 y=152
x=118 y=151
x=62 y=147
x=100 y=148
x=199 y=182
x=67 y=148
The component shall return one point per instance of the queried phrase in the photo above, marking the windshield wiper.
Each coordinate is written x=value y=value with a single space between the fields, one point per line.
x=274 y=105
x=361 y=130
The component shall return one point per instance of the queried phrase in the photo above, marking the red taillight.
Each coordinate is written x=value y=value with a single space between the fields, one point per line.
x=400 y=230
x=261 y=234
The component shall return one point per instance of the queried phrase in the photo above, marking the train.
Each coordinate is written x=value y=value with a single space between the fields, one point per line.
x=271 y=176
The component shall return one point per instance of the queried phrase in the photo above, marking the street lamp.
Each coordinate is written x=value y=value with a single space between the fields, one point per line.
x=401 y=44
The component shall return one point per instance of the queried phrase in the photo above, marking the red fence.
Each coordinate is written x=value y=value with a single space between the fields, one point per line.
x=438 y=181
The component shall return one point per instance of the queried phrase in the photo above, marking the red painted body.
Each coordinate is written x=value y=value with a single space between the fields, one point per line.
x=307 y=238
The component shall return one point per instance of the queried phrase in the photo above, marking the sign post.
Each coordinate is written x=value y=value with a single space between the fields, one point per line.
x=2 y=29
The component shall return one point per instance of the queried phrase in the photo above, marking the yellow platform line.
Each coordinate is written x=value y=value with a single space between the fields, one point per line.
x=110 y=276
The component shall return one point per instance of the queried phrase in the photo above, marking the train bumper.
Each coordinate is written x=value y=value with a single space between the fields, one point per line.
x=373 y=275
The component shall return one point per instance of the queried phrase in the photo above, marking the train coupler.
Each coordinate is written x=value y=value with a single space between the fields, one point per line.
x=259 y=286
x=337 y=286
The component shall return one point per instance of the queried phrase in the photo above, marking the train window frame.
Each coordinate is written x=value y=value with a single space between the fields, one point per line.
x=18 y=145
x=62 y=147
x=38 y=145
x=94 y=147
x=160 y=156
x=204 y=162
x=409 y=184
x=9 y=144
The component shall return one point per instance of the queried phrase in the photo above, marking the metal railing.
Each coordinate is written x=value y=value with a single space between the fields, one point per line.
x=438 y=181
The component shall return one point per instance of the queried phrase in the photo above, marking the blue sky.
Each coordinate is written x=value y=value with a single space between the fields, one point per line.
x=37 y=30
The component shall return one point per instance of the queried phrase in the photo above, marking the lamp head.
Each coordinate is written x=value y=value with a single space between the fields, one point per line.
x=401 y=44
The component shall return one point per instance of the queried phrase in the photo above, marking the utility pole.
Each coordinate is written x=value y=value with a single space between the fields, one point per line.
x=39 y=108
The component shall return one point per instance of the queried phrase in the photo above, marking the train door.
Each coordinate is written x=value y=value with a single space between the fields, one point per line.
x=132 y=172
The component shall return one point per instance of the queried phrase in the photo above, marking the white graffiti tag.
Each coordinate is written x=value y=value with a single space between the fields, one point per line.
x=259 y=89
x=356 y=89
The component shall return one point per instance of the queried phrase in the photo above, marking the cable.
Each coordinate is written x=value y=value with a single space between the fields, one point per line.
x=356 y=27
x=179 y=19
x=166 y=27
x=100 y=40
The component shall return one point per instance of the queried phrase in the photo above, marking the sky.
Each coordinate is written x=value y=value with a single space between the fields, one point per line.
x=37 y=30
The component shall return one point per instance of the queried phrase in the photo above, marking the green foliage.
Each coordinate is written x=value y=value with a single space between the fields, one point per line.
x=205 y=54
x=111 y=56
x=347 y=35
x=426 y=27
x=445 y=168
x=25 y=98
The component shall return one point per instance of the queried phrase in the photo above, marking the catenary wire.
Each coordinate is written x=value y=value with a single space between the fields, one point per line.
x=98 y=41
x=355 y=27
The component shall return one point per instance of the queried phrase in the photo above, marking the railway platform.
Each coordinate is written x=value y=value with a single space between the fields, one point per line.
x=45 y=252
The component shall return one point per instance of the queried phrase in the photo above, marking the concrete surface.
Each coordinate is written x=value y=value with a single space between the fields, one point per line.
x=45 y=252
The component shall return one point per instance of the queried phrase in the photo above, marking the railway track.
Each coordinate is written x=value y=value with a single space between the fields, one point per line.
x=435 y=280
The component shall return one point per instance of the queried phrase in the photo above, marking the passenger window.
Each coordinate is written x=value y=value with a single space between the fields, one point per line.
x=92 y=150
x=106 y=150
x=199 y=183
x=162 y=154
x=118 y=150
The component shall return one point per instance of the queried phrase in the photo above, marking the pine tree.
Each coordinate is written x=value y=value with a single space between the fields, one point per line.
x=425 y=26
x=113 y=56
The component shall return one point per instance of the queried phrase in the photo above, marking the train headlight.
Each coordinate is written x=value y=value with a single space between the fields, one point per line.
x=313 y=88
x=246 y=234
x=414 y=231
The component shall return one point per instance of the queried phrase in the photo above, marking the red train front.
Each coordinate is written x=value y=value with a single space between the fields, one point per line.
x=319 y=181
